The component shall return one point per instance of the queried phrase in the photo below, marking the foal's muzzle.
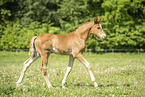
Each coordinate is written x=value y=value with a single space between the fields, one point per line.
x=103 y=36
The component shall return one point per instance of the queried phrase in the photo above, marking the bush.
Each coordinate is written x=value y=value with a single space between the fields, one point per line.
x=17 y=37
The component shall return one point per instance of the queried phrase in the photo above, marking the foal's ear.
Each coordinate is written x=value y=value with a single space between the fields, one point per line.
x=96 y=20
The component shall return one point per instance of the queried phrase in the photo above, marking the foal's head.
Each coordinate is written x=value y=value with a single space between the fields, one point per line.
x=97 y=29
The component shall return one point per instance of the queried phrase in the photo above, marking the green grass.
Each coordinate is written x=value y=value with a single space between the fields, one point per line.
x=118 y=75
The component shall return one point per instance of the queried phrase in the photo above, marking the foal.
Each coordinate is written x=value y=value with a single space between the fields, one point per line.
x=72 y=44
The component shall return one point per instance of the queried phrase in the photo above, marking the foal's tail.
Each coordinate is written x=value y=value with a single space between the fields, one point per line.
x=32 y=50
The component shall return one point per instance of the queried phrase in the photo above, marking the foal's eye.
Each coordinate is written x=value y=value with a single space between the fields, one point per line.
x=98 y=27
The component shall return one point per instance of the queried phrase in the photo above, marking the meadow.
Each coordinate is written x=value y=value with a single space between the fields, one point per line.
x=117 y=74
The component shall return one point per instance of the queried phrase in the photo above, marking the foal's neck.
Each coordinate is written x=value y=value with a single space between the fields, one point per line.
x=84 y=30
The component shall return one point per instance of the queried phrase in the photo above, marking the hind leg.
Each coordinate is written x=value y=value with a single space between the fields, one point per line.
x=43 y=68
x=27 y=63
x=69 y=68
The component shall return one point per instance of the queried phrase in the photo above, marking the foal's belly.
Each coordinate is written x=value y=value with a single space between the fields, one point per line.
x=61 y=51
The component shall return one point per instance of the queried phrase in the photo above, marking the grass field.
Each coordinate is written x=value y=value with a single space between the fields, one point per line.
x=118 y=75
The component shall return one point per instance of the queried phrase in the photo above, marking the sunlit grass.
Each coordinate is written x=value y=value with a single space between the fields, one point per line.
x=120 y=74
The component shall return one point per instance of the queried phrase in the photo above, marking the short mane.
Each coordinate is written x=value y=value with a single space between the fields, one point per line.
x=85 y=26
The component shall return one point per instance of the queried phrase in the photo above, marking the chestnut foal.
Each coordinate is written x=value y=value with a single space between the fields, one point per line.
x=72 y=44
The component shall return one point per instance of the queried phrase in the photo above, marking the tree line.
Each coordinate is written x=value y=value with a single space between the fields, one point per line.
x=122 y=20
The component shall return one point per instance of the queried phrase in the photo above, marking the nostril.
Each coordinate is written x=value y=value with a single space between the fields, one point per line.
x=103 y=37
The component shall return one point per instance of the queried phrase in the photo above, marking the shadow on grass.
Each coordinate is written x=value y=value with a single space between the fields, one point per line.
x=103 y=86
x=113 y=85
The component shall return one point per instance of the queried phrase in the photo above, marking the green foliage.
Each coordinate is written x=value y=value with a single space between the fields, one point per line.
x=4 y=1
x=124 y=12
x=69 y=12
x=4 y=14
x=36 y=10
x=72 y=16
x=122 y=20
x=16 y=36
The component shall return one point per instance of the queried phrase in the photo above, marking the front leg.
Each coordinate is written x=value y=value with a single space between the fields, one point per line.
x=83 y=60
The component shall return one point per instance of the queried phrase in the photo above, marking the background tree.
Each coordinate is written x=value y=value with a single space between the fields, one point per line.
x=122 y=20
x=37 y=10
